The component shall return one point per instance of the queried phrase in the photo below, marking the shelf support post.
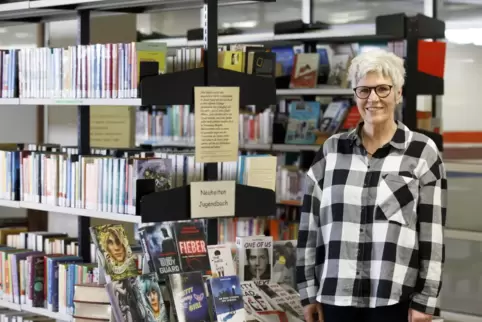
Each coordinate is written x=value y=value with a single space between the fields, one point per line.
x=83 y=135
x=210 y=42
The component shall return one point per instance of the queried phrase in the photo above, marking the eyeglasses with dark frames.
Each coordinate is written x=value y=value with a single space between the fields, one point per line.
x=382 y=91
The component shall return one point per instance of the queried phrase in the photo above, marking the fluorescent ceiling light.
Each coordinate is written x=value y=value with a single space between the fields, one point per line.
x=22 y=35
x=241 y=24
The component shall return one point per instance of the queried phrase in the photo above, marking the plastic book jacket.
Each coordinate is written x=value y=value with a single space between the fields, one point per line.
x=303 y=121
x=115 y=254
x=152 y=300
x=161 y=247
x=189 y=297
x=228 y=299
x=191 y=242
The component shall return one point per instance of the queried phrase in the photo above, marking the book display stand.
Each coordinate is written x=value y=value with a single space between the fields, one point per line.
x=178 y=88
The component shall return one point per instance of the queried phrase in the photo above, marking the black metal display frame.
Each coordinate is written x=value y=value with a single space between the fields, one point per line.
x=178 y=88
x=83 y=136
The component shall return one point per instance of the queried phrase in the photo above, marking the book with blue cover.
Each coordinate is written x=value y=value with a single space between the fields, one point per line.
x=228 y=299
x=189 y=297
x=303 y=121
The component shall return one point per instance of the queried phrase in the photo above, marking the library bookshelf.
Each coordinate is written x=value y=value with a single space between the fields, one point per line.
x=168 y=88
x=36 y=310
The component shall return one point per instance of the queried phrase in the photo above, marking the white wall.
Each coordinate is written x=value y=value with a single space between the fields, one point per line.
x=17 y=123
x=463 y=82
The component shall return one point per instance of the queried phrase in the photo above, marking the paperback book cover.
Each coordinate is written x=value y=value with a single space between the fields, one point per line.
x=160 y=248
x=303 y=121
x=284 y=262
x=189 y=297
x=305 y=70
x=255 y=258
x=158 y=169
x=114 y=252
x=191 y=242
x=228 y=299
x=151 y=297
x=123 y=300
x=221 y=259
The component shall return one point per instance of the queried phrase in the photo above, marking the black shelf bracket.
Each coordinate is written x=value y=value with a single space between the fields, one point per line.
x=175 y=204
x=83 y=136
x=178 y=88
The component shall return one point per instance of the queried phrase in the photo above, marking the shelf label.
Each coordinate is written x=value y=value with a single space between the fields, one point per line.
x=112 y=126
x=217 y=124
x=210 y=199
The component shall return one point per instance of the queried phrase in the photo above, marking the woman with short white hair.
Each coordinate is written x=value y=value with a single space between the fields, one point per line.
x=370 y=244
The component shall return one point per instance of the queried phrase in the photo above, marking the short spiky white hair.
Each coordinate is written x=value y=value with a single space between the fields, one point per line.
x=379 y=61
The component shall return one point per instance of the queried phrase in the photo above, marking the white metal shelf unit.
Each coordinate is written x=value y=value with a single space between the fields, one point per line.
x=36 y=310
x=71 y=211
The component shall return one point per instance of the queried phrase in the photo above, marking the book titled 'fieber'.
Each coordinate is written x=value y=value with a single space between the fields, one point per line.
x=191 y=243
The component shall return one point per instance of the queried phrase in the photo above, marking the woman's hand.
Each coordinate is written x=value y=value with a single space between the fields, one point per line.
x=312 y=310
x=416 y=316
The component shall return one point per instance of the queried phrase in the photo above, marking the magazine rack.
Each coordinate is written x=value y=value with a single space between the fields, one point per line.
x=178 y=88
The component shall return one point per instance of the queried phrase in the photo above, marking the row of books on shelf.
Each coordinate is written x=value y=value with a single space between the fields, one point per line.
x=303 y=120
x=113 y=70
x=176 y=124
x=106 y=180
x=173 y=273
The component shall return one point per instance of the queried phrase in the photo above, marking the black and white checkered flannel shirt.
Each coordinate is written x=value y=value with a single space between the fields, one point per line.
x=371 y=229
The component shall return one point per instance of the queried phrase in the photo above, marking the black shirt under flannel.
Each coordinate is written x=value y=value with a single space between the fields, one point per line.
x=371 y=229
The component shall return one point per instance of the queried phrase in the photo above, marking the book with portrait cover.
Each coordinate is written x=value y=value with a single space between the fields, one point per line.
x=114 y=254
x=160 y=249
x=189 y=298
x=221 y=259
x=191 y=243
x=255 y=258
x=228 y=299
x=151 y=298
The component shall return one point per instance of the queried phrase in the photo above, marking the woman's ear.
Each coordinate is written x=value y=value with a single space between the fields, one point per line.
x=398 y=96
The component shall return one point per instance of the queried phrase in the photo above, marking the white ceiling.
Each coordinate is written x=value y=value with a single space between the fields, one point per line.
x=262 y=16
